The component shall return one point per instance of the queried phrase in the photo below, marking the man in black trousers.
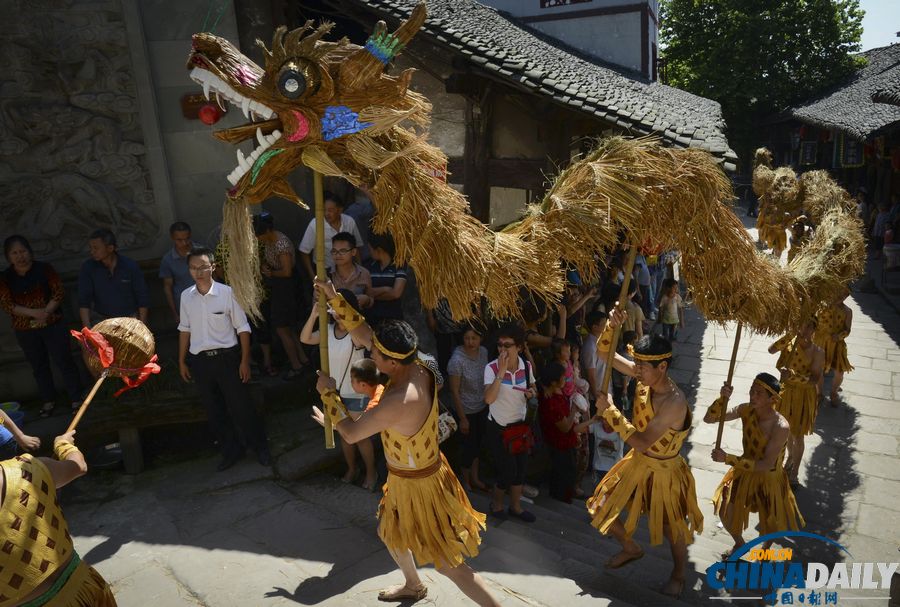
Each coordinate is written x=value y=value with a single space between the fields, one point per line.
x=220 y=367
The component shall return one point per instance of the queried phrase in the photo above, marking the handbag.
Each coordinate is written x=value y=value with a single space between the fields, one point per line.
x=446 y=425
x=518 y=438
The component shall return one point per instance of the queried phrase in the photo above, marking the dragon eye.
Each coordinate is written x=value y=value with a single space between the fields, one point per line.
x=292 y=83
x=296 y=79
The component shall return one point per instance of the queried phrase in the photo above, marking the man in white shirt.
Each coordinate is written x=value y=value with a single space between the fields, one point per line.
x=209 y=319
x=335 y=222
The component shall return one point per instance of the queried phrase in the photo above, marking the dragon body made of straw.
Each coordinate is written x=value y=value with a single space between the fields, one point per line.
x=332 y=107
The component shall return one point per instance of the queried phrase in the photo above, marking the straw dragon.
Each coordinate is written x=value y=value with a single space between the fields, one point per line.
x=332 y=107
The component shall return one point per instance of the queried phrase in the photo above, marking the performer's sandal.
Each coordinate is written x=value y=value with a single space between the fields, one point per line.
x=622 y=559
x=403 y=593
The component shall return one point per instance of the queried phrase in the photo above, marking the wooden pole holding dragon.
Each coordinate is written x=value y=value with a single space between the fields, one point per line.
x=321 y=273
x=623 y=294
x=734 y=351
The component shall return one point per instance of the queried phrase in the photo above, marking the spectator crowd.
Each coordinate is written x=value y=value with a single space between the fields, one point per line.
x=520 y=393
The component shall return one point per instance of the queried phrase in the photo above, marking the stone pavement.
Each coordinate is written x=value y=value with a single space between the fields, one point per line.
x=185 y=535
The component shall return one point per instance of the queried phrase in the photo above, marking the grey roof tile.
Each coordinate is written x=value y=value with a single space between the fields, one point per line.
x=857 y=106
x=604 y=90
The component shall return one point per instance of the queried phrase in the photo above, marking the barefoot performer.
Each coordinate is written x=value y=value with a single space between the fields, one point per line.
x=425 y=515
x=756 y=481
x=38 y=561
x=834 y=322
x=653 y=478
x=800 y=364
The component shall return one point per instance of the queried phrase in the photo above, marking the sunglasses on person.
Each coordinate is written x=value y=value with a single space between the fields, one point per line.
x=506 y=344
x=341 y=251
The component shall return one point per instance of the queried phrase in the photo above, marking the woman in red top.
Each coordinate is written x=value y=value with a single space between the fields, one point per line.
x=31 y=293
x=560 y=431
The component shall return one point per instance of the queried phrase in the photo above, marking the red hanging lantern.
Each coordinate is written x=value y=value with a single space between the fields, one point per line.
x=895 y=159
x=803 y=130
x=210 y=114
x=868 y=150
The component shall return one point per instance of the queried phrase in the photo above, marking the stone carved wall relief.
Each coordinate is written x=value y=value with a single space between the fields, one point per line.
x=72 y=154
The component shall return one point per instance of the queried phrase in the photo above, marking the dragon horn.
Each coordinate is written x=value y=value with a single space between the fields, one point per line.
x=308 y=44
x=282 y=189
x=369 y=62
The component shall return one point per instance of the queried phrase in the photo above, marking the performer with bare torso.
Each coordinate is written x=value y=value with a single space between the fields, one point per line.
x=425 y=515
x=653 y=478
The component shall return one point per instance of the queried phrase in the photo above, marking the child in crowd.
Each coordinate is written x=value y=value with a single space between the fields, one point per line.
x=12 y=438
x=558 y=424
x=608 y=449
x=621 y=382
x=562 y=353
x=671 y=309
x=581 y=384
x=634 y=314
x=365 y=379
x=575 y=388
x=343 y=351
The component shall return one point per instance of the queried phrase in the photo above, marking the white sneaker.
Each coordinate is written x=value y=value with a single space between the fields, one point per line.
x=529 y=491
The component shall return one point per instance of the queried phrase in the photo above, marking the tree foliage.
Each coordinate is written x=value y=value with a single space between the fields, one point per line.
x=758 y=57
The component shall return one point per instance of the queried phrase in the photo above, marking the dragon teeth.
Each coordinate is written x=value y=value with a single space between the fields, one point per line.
x=259 y=136
x=212 y=83
x=240 y=158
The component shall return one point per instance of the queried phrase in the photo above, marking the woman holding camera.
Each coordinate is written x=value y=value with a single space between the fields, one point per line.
x=508 y=386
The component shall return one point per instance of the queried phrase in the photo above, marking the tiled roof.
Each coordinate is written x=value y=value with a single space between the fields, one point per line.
x=862 y=106
x=888 y=95
x=507 y=49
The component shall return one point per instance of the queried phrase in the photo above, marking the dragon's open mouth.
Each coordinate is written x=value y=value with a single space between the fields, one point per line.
x=267 y=132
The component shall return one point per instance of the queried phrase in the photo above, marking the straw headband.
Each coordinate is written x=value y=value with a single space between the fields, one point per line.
x=768 y=388
x=389 y=353
x=647 y=357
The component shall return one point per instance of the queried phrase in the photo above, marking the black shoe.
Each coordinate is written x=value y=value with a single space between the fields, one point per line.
x=524 y=516
x=264 y=458
x=229 y=460
x=500 y=515
x=292 y=374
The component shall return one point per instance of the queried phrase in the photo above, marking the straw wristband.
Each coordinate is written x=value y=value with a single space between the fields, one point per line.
x=619 y=422
x=63 y=449
x=336 y=409
x=345 y=313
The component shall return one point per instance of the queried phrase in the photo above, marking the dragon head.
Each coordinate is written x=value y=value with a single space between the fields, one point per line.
x=308 y=96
